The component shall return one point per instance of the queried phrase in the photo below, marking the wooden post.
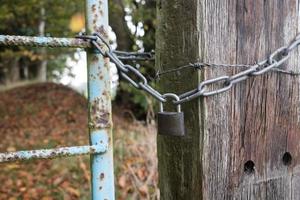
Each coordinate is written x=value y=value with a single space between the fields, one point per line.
x=242 y=144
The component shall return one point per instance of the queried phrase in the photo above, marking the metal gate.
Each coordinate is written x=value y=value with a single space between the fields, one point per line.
x=100 y=122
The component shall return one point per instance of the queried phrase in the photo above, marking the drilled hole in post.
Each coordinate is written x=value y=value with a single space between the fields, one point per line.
x=249 y=167
x=287 y=158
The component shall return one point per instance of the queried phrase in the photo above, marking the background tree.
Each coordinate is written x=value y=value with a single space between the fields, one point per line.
x=133 y=22
x=34 y=17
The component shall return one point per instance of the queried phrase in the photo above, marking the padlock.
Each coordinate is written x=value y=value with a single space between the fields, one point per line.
x=170 y=123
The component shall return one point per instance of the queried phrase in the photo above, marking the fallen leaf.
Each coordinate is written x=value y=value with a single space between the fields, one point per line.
x=73 y=191
x=143 y=190
x=122 y=181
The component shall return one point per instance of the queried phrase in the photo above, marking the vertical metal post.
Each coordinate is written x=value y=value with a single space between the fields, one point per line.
x=100 y=120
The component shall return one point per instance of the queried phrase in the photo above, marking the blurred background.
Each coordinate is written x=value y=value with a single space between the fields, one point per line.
x=43 y=101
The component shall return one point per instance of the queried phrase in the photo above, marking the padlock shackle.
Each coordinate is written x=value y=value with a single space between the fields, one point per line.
x=173 y=96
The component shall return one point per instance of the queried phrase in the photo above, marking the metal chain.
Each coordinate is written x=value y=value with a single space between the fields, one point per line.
x=123 y=55
x=222 y=83
x=128 y=72
x=275 y=59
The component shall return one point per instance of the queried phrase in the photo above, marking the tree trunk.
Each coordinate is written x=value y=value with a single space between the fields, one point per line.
x=13 y=71
x=42 y=68
x=242 y=144
x=24 y=71
x=119 y=26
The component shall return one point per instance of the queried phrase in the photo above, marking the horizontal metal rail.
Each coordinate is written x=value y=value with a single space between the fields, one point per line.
x=52 y=153
x=13 y=40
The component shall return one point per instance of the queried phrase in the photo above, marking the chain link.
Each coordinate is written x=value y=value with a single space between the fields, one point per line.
x=121 y=55
x=205 y=88
x=275 y=59
x=128 y=72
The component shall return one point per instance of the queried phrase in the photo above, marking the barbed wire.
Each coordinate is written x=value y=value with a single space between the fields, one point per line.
x=222 y=83
x=123 y=55
x=203 y=65
x=138 y=80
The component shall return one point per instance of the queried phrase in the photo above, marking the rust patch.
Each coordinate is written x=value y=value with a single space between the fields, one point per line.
x=94 y=8
x=106 y=63
x=95 y=59
x=100 y=75
x=35 y=154
x=101 y=176
x=102 y=31
x=100 y=116
x=93 y=77
x=92 y=150
x=109 y=140
x=48 y=42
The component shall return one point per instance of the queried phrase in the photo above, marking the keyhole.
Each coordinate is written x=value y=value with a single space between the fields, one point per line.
x=249 y=167
x=287 y=158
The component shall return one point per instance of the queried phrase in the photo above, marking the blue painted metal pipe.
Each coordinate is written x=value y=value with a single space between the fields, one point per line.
x=52 y=153
x=100 y=119
x=13 y=40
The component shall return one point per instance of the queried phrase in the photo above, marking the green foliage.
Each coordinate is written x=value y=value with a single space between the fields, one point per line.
x=143 y=16
x=23 y=18
x=145 y=12
x=56 y=67
x=137 y=97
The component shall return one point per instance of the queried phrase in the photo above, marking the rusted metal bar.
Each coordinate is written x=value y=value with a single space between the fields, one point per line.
x=52 y=153
x=99 y=92
x=12 y=40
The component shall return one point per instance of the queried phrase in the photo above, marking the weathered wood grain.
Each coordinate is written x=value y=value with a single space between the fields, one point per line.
x=177 y=44
x=257 y=120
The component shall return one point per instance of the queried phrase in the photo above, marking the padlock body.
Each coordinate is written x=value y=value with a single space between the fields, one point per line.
x=170 y=123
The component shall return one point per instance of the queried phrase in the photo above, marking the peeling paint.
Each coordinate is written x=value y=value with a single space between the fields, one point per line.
x=100 y=123
x=102 y=31
x=52 y=153
x=7 y=40
x=94 y=8
x=101 y=176
x=99 y=116
x=95 y=59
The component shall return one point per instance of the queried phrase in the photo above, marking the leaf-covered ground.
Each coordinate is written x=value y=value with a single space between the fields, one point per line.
x=50 y=115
